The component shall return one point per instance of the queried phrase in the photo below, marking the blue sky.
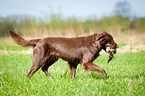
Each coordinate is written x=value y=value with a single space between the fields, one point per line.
x=78 y=8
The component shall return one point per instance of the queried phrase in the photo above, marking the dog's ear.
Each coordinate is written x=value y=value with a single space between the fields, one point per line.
x=100 y=36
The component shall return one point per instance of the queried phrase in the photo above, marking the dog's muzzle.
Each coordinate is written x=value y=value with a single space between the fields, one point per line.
x=110 y=50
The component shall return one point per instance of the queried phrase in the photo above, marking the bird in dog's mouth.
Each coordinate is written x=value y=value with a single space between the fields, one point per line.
x=111 y=51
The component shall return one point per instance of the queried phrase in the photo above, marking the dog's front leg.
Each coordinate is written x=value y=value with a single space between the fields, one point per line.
x=92 y=67
x=72 y=68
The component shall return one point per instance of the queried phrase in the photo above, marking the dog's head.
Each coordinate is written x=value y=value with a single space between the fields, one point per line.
x=105 y=41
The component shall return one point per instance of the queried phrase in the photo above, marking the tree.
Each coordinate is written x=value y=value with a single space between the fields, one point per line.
x=123 y=9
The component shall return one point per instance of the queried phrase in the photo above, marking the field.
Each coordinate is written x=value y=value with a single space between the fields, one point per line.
x=126 y=72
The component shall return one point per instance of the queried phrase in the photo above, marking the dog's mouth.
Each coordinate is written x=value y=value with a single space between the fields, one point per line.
x=111 y=51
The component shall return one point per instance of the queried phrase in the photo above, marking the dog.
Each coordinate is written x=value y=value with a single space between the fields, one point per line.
x=75 y=50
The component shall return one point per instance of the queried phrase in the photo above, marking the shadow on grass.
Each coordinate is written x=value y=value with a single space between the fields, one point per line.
x=100 y=76
x=93 y=75
x=137 y=76
x=97 y=75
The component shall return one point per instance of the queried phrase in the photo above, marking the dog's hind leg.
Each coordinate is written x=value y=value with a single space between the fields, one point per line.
x=72 y=68
x=36 y=66
x=48 y=63
x=33 y=70
x=38 y=62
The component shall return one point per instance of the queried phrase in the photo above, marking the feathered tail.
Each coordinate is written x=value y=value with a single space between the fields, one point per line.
x=21 y=41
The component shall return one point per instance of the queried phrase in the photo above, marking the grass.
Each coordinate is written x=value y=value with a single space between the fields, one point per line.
x=13 y=48
x=126 y=71
x=122 y=44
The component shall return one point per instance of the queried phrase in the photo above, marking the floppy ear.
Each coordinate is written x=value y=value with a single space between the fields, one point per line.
x=100 y=39
x=100 y=36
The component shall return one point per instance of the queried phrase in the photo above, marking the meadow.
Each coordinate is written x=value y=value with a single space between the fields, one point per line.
x=126 y=72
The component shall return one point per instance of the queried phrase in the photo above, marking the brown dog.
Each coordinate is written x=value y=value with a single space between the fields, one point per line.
x=77 y=50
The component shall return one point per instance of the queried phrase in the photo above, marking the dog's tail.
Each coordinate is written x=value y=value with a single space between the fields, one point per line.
x=21 y=41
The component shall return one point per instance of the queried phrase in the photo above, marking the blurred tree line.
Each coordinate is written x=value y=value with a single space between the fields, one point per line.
x=55 y=24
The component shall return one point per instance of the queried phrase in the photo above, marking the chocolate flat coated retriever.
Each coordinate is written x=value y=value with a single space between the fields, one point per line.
x=76 y=50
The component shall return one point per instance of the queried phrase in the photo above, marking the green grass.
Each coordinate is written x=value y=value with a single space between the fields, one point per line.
x=13 y=48
x=126 y=71
x=122 y=44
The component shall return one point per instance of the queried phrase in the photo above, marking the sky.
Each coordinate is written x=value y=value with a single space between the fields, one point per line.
x=68 y=8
